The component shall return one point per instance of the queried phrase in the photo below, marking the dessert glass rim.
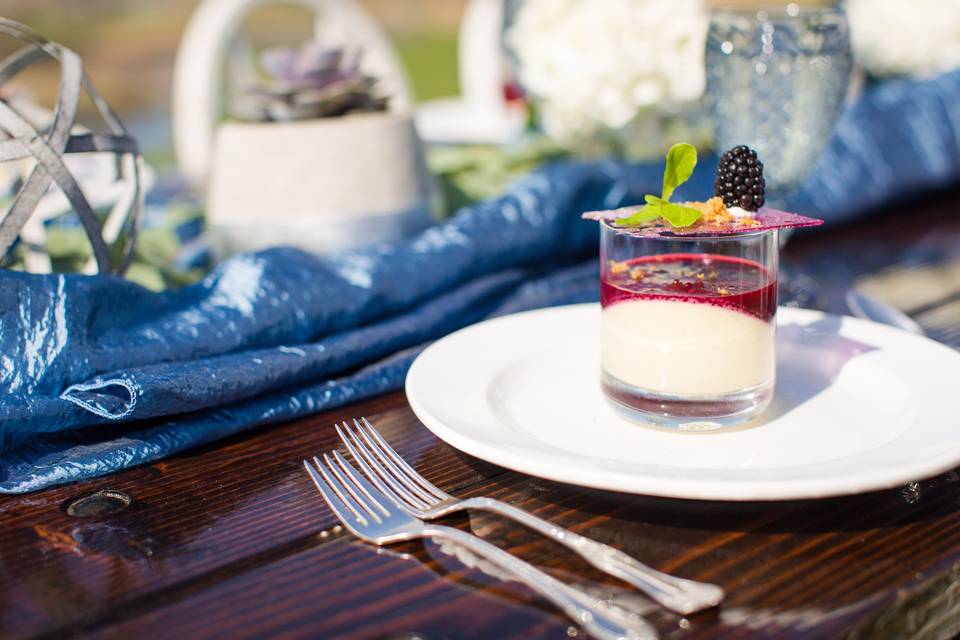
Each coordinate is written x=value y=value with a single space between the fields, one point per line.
x=634 y=232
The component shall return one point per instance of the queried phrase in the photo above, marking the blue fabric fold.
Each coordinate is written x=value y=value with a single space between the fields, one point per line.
x=900 y=139
x=98 y=374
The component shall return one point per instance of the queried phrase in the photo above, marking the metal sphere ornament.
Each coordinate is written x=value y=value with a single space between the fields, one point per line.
x=112 y=236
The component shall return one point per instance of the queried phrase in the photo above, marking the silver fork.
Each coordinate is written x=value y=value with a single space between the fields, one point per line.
x=394 y=477
x=367 y=513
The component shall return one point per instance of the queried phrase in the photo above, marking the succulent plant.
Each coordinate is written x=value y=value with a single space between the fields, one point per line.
x=313 y=81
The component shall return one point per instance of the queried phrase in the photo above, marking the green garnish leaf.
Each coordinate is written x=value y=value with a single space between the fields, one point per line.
x=681 y=159
x=642 y=216
x=679 y=215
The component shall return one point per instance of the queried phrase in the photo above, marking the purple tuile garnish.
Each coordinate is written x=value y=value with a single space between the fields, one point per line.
x=768 y=219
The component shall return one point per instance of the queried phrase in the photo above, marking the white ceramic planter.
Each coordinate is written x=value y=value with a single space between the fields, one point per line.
x=318 y=184
x=321 y=184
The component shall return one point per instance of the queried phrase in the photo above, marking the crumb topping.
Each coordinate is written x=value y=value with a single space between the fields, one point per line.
x=713 y=210
x=716 y=213
x=618 y=268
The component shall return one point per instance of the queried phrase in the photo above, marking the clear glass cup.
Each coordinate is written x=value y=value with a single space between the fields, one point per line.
x=776 y=82
x=688 y=326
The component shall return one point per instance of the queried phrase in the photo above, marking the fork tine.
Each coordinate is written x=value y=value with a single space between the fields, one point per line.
x=340 y=508
x=399 y=474
x=373 y=437
x=344 y=488
x=374 y=469
x=374 y=494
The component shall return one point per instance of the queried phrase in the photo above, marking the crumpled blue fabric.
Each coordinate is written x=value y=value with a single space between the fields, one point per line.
x=98 y=374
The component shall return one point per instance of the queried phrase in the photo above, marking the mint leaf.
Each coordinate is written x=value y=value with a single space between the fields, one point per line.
x=679 y=215
x=681 y=159
x=646 y=214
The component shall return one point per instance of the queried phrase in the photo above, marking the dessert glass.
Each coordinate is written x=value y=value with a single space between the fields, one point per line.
x=688 y=325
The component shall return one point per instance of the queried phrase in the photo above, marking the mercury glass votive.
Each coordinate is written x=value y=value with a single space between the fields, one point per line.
x=776 y=82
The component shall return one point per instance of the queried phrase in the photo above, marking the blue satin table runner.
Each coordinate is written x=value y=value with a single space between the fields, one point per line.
x=98 y=374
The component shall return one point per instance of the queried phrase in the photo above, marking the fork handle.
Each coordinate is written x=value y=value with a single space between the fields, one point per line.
x=585 y=610
x=679 y=594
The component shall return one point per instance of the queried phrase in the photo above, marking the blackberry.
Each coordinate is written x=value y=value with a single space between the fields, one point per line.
x=740 y=179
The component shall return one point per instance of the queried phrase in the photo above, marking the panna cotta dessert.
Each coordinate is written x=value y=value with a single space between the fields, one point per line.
x=689 y=299
x=688 y=334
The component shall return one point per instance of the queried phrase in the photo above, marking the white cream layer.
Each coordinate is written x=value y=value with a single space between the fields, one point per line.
x=690 y=348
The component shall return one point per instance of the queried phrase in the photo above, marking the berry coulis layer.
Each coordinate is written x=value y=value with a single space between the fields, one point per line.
x=724 y=281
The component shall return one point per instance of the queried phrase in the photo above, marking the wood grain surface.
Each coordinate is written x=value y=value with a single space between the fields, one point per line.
x=232 y=540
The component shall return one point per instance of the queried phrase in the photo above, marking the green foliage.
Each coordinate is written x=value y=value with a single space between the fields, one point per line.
x=431 y=61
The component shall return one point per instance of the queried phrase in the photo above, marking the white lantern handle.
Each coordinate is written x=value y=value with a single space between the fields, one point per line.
x=197 y=85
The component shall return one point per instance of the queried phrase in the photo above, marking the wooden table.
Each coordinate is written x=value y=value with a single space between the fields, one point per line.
x=232 y=541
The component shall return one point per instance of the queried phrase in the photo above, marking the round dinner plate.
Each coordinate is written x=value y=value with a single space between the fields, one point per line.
x=858 y=407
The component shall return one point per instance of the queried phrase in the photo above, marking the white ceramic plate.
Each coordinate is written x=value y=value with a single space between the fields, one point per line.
x=859 y=406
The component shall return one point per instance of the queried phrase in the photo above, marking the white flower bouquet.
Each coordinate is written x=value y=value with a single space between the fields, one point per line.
x=905 y=37
x=620 y=76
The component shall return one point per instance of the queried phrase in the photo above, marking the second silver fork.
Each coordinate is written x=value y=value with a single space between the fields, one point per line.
x=401 y=482
x=369 y=515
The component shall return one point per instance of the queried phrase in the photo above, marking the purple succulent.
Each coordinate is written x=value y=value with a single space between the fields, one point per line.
x=313 y=81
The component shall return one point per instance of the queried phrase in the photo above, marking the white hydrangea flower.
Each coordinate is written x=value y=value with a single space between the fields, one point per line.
x=897 y=37
x=596 y=68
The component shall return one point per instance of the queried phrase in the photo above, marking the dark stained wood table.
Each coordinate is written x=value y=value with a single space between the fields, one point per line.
x=232 y=540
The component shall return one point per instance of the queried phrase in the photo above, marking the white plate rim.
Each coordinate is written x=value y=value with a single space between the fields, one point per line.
x=873 y=479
